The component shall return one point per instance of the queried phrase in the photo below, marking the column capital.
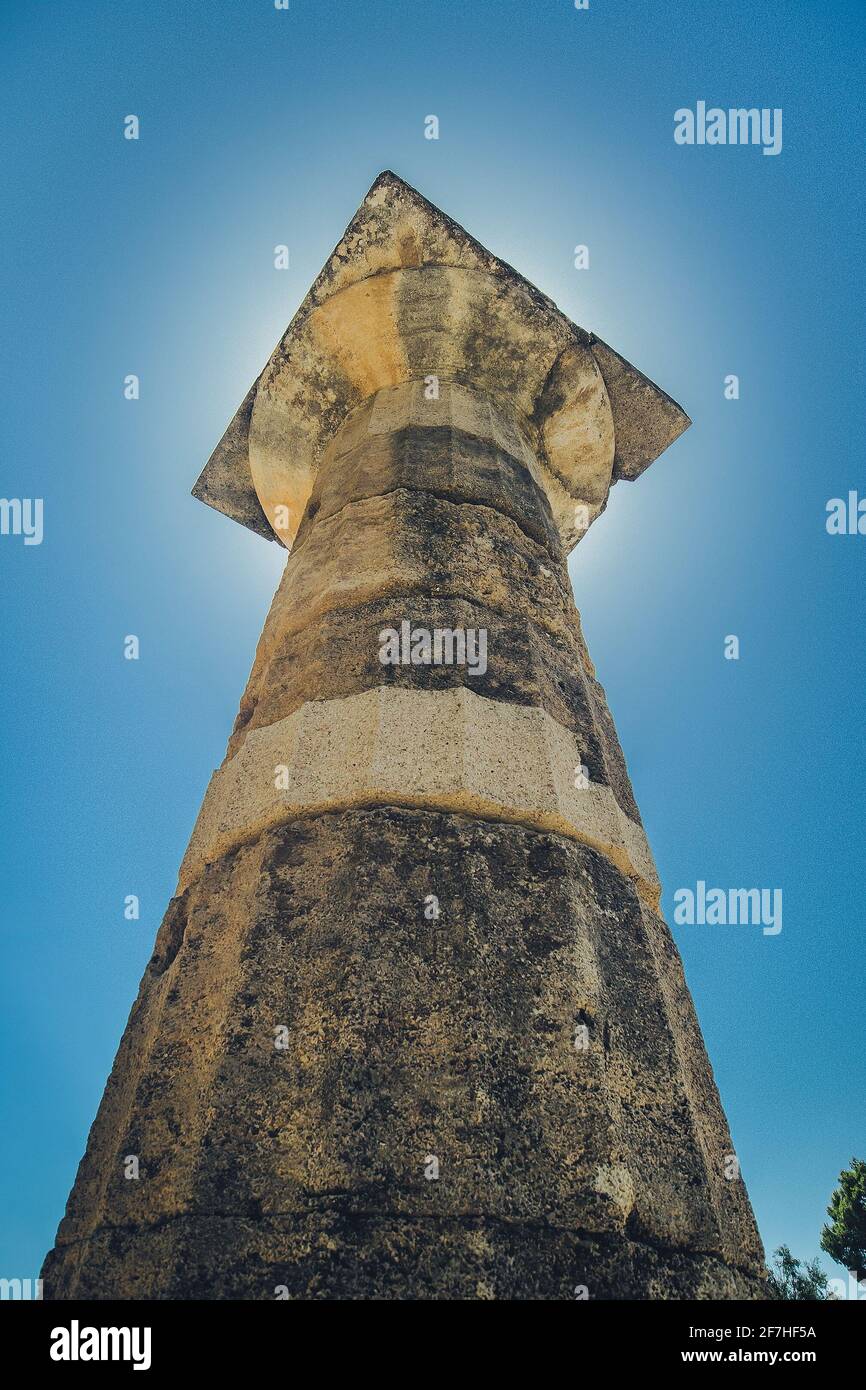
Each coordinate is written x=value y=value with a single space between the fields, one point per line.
x=409 y=296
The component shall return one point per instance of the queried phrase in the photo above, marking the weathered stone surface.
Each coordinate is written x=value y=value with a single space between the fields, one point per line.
x=410 y=543
x=339 y=655
x=331 y=1256
x=647 y=419
x=227 y=483
x=445 y=463
x=432 y=519
x=400 y=328
x=447 y=750
x=408 y=293
x=406 y=935
x=409 y=1037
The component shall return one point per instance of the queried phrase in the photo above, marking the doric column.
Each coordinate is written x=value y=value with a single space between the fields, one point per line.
x=413 y=1027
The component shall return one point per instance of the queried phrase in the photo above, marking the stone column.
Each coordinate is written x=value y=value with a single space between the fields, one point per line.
x=413 y=1026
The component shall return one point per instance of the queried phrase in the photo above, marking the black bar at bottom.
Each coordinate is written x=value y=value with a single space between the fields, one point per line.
x=220 y=1337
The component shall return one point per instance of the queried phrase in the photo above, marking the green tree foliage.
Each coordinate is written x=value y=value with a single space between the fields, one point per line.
x=844 y=1239
x=792 y=1279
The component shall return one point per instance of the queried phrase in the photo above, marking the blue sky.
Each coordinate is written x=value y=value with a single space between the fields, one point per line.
x=261 y=127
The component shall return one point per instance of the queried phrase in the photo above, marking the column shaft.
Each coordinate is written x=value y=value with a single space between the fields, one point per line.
x=413 y=1027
